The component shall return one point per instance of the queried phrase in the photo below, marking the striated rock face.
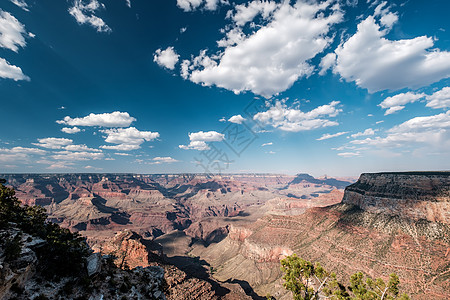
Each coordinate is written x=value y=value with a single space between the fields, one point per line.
x=131 y=250
x=416 y=195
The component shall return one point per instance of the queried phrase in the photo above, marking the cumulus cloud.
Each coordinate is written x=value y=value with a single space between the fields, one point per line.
x=192 y=5
x=163 y=160
x=329 y=136
x=440 y=99
x=60 y=165
x=20 y=3
x=70 y=130
x=53 y=143
x=206 y=136
x=12 y=32
x=377 y=63
x=11 y=72
x=327 y=62
x=121 y=147
x=81 y=148
x=19 y=154
x=195 y=145
x=127 y=138
x=114 y=119
x=368 y=131
x=166 y=58
x=293 y=119
x=122 y=154
x=431 y=130
x=245 y=13
x=73 y=156
x=198 y=140
x=237 y=119
x=397 y=102
x=84 y=13
x=272 y=57
x=349 y=154
x=267 y=144
x=23 y=150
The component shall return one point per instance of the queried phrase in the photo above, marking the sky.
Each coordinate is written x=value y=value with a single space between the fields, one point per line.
x=190 y=86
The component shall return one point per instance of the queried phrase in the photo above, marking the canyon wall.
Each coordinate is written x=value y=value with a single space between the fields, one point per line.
x=416 y=195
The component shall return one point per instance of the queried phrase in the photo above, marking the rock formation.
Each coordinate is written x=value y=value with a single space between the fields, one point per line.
x=416 y=195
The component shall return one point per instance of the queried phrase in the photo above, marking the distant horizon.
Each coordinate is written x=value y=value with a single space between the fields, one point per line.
x=231 y=174
x=182 y=86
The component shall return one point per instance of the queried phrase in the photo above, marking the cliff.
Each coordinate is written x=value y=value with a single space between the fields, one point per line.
x=416 y=195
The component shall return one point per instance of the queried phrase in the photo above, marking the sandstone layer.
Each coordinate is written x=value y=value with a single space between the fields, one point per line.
x=417 y=195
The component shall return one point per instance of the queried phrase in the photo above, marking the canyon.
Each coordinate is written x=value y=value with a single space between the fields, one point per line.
x=228 y=233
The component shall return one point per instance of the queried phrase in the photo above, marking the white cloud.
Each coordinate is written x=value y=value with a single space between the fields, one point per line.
x=376 y=63
x=127 y=138
x=195 y=145
x=163 y=160
x=12 y=32
x=121 y=147
x=237 y=119
x=20 y=3
x=53 y=143
x=60 y=165
x=191 y=5
x=207 y=136
x=80 y=148
x=246 y=13
x=70 y=130
x=327 y=62
x=92 y=168
x=166 y=58
x=329 y=136
x=349 y=154
x=267 y=144
x=368 y=131
x=11 y=72
x=114 y=119
x=84 y=13
x=13 y=157
x=71 y=156
x=122 y=154
x=23 y=150
x=198 y=140
x=292 y=119
x=19 y=154
x=397 y=102
x=440 y=99
x=431 y=130
x=272 y=57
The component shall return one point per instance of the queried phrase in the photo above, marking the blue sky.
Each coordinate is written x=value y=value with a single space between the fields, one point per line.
x=323 y=87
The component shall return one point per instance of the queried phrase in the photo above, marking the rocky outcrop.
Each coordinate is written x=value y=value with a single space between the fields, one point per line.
x=20 y=276
x=416 y=195
x=131 y=250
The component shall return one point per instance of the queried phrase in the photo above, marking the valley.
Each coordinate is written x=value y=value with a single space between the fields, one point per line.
x=230 y=232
